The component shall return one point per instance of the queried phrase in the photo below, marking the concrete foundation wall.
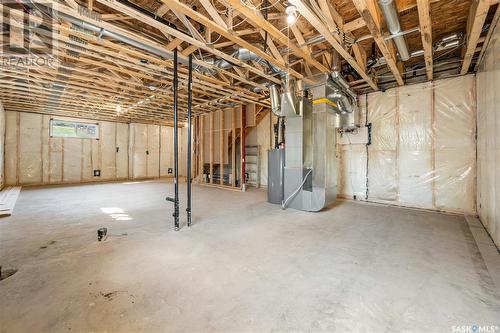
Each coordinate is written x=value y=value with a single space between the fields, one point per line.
x=123 y=151
x=488 y=138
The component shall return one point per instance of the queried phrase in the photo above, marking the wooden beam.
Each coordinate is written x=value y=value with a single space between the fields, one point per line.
x=255 y=17
x=274 y=50
x=354 y=24
x=486 y=42
x=186 y=10
x=201 y=44
x=369 y=12
x=173 y=44
x=233 y=147
x=213 y=13
x=424 y=18
x=190 y=49
x=479 y=11
x=211 y=147
x=162 y=10
x=322 y=29
x=221 y=147
x=360 y=55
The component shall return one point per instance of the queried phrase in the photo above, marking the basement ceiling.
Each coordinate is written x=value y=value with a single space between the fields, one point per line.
x=92 y=73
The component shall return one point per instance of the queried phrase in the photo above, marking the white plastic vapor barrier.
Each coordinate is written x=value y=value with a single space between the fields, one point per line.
x=488 y=137
x=422 y=151
x=33 y=156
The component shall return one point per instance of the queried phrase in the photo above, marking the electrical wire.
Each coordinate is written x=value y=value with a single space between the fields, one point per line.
x=284 y=203
x=239 y=23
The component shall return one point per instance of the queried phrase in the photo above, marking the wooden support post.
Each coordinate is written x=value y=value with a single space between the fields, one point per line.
x=242 y=145
x=202 y=148
x=211 y=151
x=221 y=147
x=233 y=147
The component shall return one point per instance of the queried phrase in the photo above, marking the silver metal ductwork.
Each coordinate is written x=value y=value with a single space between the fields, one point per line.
x=308 y=163
x=392 y=20
x=274 y=95
x=245 y=55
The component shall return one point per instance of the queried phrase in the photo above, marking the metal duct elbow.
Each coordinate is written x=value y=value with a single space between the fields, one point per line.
x=392 y=20
x=343 y=103
x=244 y=55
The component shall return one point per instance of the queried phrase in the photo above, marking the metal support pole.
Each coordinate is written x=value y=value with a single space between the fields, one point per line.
x=176 y=148
x=190 y=93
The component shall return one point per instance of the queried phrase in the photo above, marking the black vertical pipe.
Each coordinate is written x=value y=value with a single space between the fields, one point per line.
x=190 y=92
x=176 y=148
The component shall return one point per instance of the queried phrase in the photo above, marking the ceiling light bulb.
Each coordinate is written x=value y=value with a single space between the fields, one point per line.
x=118 y=108
x=291 y=12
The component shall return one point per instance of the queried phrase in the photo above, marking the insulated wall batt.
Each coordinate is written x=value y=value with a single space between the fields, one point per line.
x=382 y=164
x=488 y=137
x=139 y=146
x=422 y=152
x=34 y=157
x=2 y=145
x=415 y=144
x=167 y=151
x=153 y=151
x=455 y=146
x=122 y=133
x=30 y=148
x=107 y=141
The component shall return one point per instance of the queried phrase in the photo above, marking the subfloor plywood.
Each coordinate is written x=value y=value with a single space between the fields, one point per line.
x=245 y=265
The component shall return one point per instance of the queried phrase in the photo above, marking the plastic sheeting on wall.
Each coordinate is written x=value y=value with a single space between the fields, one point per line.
x=415 y=144
x=72 y=160
x=488 y=137
x=139 y=147
x=107 y=141
x=33 y=157
x=11 y=135
x=455 y=146
x=423 y=150
x=122 y=151
x=167 y=151
x=153 y=151
x=382 y=164
x=2 y=145
x=30 y=149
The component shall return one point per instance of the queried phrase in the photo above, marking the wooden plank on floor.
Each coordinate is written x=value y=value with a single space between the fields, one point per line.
x=8 y=199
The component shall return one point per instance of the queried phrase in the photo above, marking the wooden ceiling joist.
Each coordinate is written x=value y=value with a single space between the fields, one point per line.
x=323 y=30
x=479 y=11
x=369 y=12
x=424 y=17
x=256 y=18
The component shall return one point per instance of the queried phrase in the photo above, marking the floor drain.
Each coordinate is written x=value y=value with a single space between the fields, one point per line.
x=7 y=272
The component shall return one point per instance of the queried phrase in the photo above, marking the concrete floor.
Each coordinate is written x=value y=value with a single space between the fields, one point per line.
x=245 y=265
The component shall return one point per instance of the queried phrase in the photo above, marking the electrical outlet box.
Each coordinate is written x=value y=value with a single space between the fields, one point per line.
x=356 y=137
x=97 y=173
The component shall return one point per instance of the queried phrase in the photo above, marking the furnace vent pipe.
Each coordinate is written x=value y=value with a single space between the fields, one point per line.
x=274 y=95
x=392 y=20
